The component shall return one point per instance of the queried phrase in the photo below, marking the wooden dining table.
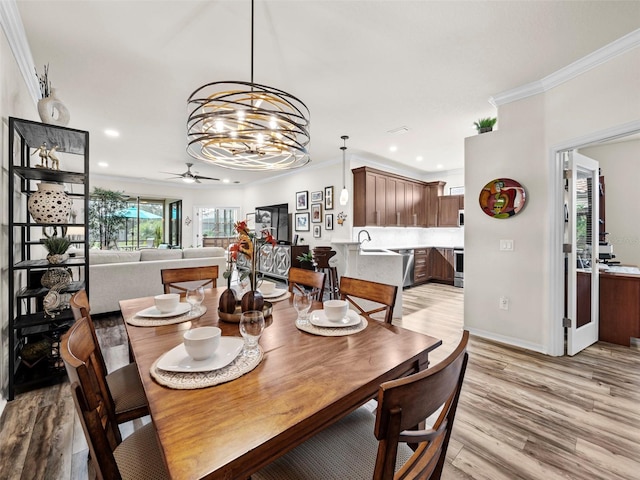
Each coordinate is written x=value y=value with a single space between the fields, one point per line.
x=304 y=383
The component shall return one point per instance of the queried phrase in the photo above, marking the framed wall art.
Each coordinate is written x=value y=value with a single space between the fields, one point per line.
x=328 y=198
x=328 y=221
x=316 y=196
x=302 y=200
x=251 y=221
x=316 y=213
x=317 y=231
x=502 y=198
x=302 y=222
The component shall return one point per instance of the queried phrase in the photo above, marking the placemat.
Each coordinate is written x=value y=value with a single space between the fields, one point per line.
x=333 y=331
x=192 y=380
x=137 y=321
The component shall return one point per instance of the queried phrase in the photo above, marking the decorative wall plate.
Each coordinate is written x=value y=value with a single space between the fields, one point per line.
x=502 y=198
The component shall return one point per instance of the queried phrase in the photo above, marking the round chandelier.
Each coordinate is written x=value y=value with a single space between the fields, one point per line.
x=247 y=126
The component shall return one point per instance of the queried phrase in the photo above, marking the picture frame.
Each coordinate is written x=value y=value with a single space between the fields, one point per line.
x=316 y=196
x=302 y=200
x=328 y=221
x=328 y=198
x=317 y=231
x=302 y=222
x=251 y=221
x=316 y=213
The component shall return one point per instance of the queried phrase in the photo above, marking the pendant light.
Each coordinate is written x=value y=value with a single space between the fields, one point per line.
x=247 y=126
x=344 y=195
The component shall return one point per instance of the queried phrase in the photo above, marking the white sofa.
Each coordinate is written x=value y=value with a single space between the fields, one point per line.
x=117 y=275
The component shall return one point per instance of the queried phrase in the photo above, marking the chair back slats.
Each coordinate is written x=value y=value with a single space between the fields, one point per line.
x=299 y=278
x=407 y=402
x=80 y=307
x=384 y=296
x=179 y=280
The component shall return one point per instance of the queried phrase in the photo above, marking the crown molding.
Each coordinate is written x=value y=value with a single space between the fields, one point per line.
x=586 y=63
x=13 y=28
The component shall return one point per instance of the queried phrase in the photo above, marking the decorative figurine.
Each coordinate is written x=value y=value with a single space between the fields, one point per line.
x=55 y=161
x=43 y=153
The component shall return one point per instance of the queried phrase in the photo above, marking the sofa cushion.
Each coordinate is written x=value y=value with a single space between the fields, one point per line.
x=154 y=254
x=203 y=252
x=99 y=257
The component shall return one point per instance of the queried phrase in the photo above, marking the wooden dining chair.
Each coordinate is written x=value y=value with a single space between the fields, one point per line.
x=347 y=449
x=299 y=278
x=139 y=455
x=355 y=291
x=179 y=280
x=124 y=384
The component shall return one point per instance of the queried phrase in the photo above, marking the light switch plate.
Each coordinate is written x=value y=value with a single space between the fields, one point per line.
x=506 y=245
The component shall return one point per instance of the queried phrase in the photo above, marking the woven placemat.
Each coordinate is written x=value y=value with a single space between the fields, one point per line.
x=137 y=321
x=333 y=331
x=193 y=380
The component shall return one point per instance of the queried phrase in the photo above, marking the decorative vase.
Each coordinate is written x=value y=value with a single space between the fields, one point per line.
x=227 y=302
x=252 y=300
x=50 y=204
x=57 y=258
x=52 y=111
x=56 y=277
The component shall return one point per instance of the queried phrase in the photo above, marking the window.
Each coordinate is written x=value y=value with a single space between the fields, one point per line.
x=214 y=226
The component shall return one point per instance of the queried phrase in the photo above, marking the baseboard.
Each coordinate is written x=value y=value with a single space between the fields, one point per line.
x=514 y=342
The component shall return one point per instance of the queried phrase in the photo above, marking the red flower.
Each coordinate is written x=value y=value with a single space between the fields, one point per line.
x=268 y=238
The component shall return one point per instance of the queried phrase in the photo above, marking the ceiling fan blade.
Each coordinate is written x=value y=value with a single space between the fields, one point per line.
x=197 y=179
x=173 y=173
x=206 y=178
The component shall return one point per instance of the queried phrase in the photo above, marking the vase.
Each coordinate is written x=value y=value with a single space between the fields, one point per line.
x=227 y=302
x=252 y=300
x=57 y=258
x=50 y=204
x=52 y=111
x=56 y=278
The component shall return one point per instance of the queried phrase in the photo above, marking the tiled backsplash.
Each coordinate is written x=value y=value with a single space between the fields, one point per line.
x=387 y=237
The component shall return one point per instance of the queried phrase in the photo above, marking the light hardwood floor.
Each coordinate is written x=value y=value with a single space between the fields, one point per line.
x=521 y=415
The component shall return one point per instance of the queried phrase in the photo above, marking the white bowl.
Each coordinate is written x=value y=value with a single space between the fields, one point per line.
x=201 y=343
x=267 y=287
x=167 y=302
x=335 y=310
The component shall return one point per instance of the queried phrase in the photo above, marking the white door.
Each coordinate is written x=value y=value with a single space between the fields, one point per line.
x=582 y=228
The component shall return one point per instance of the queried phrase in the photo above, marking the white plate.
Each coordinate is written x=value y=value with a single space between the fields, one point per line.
x=177 y=360
x=153 y=312
x=319 y=319
x=277 y=292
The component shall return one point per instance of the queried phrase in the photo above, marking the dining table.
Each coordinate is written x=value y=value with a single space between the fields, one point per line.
x=303 y=383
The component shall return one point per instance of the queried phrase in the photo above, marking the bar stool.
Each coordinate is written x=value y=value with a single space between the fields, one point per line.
x=322 y=255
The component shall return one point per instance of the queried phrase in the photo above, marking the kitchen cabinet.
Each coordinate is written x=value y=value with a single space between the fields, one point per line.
x=421 y=271
x=34 y=334
x=441 y=266
x=387 y=200
x=448 y=208
x=619 y=308
x=433 y=191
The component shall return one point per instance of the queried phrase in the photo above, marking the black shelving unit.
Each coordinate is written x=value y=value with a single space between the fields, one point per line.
x=28 y=323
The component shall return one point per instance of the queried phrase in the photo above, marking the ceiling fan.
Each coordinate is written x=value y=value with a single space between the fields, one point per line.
x=189 y=176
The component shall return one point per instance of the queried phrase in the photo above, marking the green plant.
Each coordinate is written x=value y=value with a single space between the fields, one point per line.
x=485 y=124
x=305 y=257
x=106 y=216
x=56 y=245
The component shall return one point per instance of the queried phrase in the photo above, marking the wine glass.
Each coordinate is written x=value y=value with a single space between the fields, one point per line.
x=251 y=328
x=302 y=304
x=195 y=296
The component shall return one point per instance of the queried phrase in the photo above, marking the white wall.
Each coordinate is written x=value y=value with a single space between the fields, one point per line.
x=14 y=102
x=604 y=97
x=620 y=165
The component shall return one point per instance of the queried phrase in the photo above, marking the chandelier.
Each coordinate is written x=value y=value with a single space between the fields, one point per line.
x=247 y=126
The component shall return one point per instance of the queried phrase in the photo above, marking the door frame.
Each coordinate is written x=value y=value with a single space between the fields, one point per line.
x=555 y=330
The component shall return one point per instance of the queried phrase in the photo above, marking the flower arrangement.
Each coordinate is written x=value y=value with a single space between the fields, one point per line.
x=44 y=82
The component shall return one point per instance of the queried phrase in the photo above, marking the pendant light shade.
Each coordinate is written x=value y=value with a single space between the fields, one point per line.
x=344 y=194
x=247 y=126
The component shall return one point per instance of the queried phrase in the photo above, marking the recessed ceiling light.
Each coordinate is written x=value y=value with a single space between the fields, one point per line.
x=103 y=164
x=439 y=166
x=393 y=148
x=419 y=158
x=399 y=130
x=109 y=132
x=225 y=180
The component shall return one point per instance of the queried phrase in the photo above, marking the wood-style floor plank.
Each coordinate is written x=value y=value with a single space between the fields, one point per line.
x=522 y=415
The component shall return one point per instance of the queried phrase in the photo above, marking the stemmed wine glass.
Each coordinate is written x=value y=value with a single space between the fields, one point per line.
x=302 y=304
x=251 y=328
x=195 y=296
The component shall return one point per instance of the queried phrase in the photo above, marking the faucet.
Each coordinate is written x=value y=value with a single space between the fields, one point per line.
x=368 y=239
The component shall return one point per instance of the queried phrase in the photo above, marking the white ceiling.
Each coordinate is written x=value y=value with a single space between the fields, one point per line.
x=362 y=67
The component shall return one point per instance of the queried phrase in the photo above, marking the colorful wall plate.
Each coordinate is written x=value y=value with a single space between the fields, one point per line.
x=502 y=198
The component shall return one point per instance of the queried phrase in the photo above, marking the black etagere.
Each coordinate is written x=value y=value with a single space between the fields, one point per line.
x=31 y=329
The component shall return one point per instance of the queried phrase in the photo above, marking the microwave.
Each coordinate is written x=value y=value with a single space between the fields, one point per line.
x=461 y=218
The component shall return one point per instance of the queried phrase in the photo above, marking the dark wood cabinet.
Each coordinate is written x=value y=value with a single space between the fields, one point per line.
x=421 y=271
x=448 y=208
x=433 y=190
x=441 y=266
x=619 y=308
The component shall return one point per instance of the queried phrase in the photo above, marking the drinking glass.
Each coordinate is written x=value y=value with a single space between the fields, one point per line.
x=251 y=328
x=302 y=304
x=195 y=296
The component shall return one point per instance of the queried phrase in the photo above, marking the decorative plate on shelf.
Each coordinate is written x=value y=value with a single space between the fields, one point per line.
x=502 y=198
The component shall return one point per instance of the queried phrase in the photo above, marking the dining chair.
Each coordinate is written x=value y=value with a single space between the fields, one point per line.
x=300 y=278
x=136 y=457
x=355 y=291
x=347 y=449
x=181 y=279
x=124 y=384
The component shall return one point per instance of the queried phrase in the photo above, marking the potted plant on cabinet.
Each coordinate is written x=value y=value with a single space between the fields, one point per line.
x=485 y=125
x=306 y=261
x=57 y=248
